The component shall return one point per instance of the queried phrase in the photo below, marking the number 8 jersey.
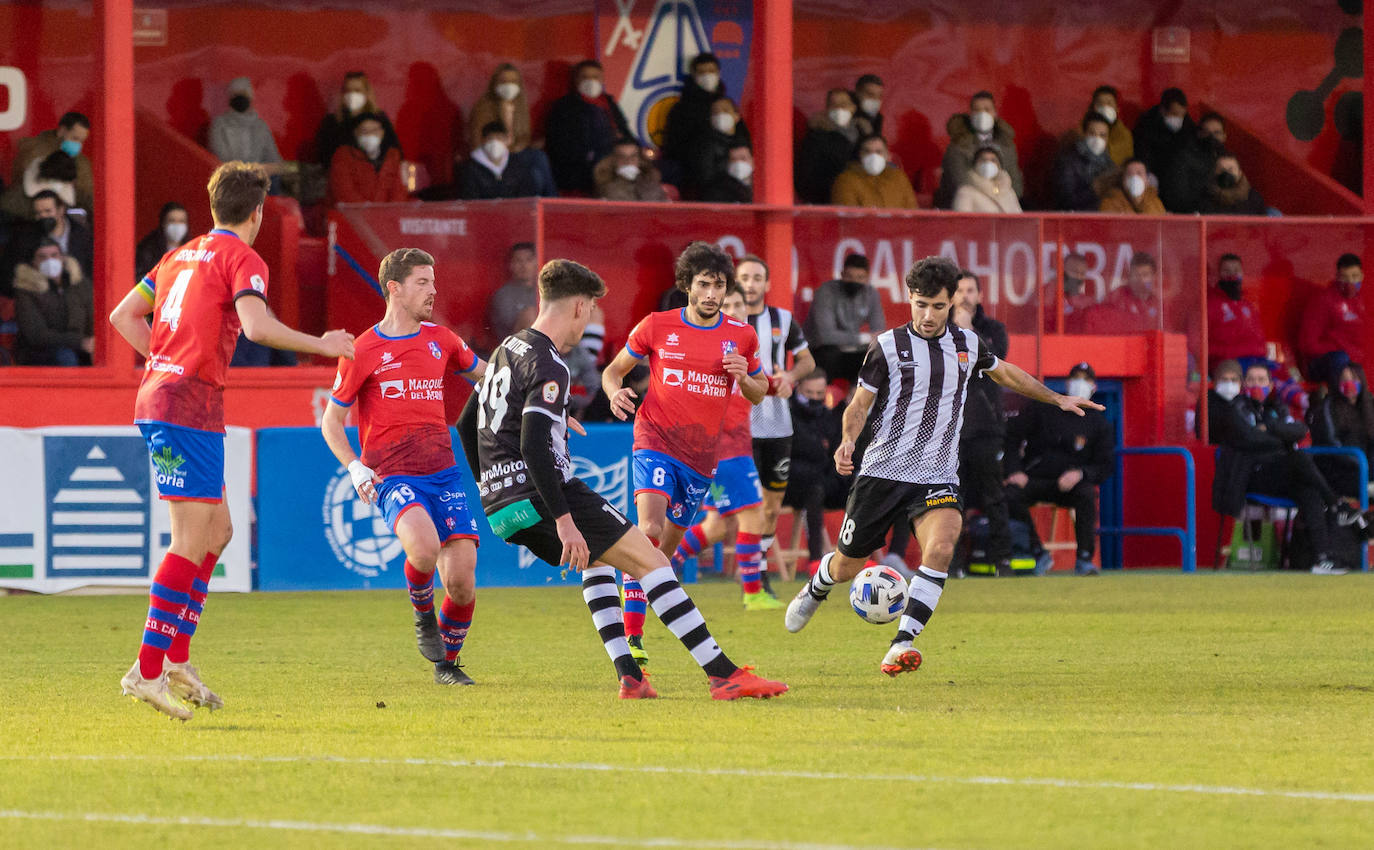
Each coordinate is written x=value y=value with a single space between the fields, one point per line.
x=525 y=376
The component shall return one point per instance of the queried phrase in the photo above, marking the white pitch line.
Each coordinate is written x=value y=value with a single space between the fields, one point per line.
x=592 y=767
x=420 y=832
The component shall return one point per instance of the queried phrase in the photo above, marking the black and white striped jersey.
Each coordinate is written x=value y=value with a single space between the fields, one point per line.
x=779 y=335
x=921 y=385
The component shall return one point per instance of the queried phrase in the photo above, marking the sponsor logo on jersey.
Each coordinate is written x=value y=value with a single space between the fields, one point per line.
x=671 y=355
x=496 y=470
x=551 y=392
x=259 y=285
x=672 y=377
x=169 y=472
x=163 y=363
x=672 y=339
x=393 y=389
x=943 y=496
x=702 y=383
x=387 y=356
x=434 y=350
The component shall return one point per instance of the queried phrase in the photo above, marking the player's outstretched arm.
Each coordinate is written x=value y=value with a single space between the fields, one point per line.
x=855 y=415
x=129 y=317
x=612 y=377
x=365 y=481
x=262 y=327
x=1015 y=378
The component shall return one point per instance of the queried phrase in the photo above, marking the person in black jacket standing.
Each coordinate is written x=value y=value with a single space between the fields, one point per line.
x=813 y=485
x=583 y=126
x=1049 y=458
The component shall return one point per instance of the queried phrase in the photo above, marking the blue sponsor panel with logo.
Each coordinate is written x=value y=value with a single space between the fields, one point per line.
x=97 y=506
x=314 y=533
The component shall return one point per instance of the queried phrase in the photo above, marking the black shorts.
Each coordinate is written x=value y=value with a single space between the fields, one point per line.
x=601 y=525
x=773 y=460
x=876 y=504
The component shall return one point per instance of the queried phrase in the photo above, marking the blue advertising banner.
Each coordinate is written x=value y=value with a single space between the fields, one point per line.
x=314 y=533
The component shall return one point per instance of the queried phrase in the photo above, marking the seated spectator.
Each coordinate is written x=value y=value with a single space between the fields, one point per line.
x=54 y=307
x=241 y=134
x=969 y=135
x=1234 y=331
x=707 y=160
x=599 y=408
x=505 y=101
x=1258 y=440
x=813 y=485
x=987 y=188
x=1055 y=456
x=494 y=172
x=1333 y=330
x=1344 y=416
x=517 y=294
x=583 y=126
x=355 y=98
x=1075 y=298
x=871 y=180
x=628 y=175
x=868 y=94
x=1227 y=377
x=1120 y=142
x=74 y=238
x=55 y=174
x=173 y=225
x=1230 y=193
x=1162 y=131
x=827 y=147
x=1183 y=187
x=1129 y=309
x=1079 y=167
x=1131 y=193
x=366 y=170
x=736 y=185
x=689 y=122
x=836 y=324
x=71 y=133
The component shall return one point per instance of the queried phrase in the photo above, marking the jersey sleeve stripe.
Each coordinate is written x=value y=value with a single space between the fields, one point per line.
x=635 y=354
x=866 y=385
x=756 y=371
x=802 y=346
x=249 y=291
x=147 y=288
x=340 y=402
x=549 y=413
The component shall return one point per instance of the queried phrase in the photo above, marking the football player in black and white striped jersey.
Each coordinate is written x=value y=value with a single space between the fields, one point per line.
x=908 y=409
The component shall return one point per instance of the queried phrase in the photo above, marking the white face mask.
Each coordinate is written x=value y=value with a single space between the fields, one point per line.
x=508 y=91
x=371 y=144
x=629 y=172
x=840 y=117
x=1108 y=112
x=495 y=150
x=175 y=232
x=354 y=101
x=1096 y=144
x=1173 y=122
x=740 y=170
x=1228 y=389
x=707 y=81
x=50 y=268
x=1135 y=185
x=590 y=88
x=874 y=163
x=1081 y=387
x=987 y=169
x=870 y=105
x=982 y=121
x=724 y=122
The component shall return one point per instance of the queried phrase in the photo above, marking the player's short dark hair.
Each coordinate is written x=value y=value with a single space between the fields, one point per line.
x=1144 y=258
x=1347 y=261
x=970 y=274
x=1228 y=257
x=398 y=265
x=867 y=79
x=933 y=276
x=560 y=279
x=703 y=257
x=74 y=119
x=45 y=195
x=1111 y=90
x=855 y=261
x=755 y=258
x=236 y=189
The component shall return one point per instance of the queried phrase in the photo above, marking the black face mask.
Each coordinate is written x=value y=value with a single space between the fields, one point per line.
x=1072 y=285
x=47 y=224
x=1231 y=286
x=1227 y=180
x=240 y=102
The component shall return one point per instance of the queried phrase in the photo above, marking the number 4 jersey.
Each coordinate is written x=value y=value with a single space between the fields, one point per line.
x=525 y=376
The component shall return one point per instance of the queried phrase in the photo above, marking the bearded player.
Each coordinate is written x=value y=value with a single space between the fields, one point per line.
x=397 y=381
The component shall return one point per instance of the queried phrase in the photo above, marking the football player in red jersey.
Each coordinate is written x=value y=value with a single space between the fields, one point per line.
x=200 y=295
x=397 y=380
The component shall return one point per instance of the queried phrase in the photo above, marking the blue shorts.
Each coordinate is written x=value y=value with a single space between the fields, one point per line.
x=736 y=486
x=682 y=486
x=188 y=463
x=442 y=497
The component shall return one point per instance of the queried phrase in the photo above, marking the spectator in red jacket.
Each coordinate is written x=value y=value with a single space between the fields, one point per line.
x=367 y=169
x=1333 y=330
x=1129 y=309
x=1233 y=323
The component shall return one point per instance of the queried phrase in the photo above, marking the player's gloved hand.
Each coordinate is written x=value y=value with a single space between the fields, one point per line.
x=337 y=343
x=844 y=458
x=575 y=553
x=623 y=404
x=365 y=481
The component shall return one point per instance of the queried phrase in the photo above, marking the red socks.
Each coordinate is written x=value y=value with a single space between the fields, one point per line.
x=180 y=650
x=167 y=601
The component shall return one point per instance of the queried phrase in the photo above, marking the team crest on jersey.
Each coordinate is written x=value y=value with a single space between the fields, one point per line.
x=450 y=522
x=727 y=347
x=551 y=392
x=338 y=381
x=434 y=349
x=777 y=333
x=258 y=284
x=963 y=360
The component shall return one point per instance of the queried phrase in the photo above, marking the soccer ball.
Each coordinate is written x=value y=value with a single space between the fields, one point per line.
x=878 y=594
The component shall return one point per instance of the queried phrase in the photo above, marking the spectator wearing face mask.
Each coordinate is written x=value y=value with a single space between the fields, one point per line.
x=582 y=127
x=1129 y=309
x=1163 y=130
x=987 y=188
x=969 y=135
x=54 y=307
x=241 y=134
x=1227 y=376
x=69 y=137
x=173 y=223
x=871 y=180
x=827 y=147
x=689 y=122
x=1075 y=299
x=628 y=175
x=1333 y=330
x=1234 y=331
x=1344 y=416
x=494 y=172
x=1184 y=185
x=840 y=312
x=355 y=98
x=736 y=185
x=1230 y=192
x=1080 y=166
x=52 y=221
x=706 y=160
x=868 y=94
x=504 y=100
x=1120 y=143
x=367 y=170
x=1132 y=194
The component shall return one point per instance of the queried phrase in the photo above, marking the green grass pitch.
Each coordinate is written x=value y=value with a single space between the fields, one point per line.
x=1142 y=710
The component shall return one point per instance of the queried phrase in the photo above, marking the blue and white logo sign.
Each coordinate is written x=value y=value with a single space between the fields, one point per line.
x=356 y=531
x=97 y=503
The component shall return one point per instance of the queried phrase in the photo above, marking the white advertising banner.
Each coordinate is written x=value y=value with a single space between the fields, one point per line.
x=79 y=507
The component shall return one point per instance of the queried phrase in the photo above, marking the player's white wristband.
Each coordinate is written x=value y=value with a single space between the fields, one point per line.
x=360 y=474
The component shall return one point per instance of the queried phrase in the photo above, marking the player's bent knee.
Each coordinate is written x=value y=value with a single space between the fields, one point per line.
x=938 y=554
